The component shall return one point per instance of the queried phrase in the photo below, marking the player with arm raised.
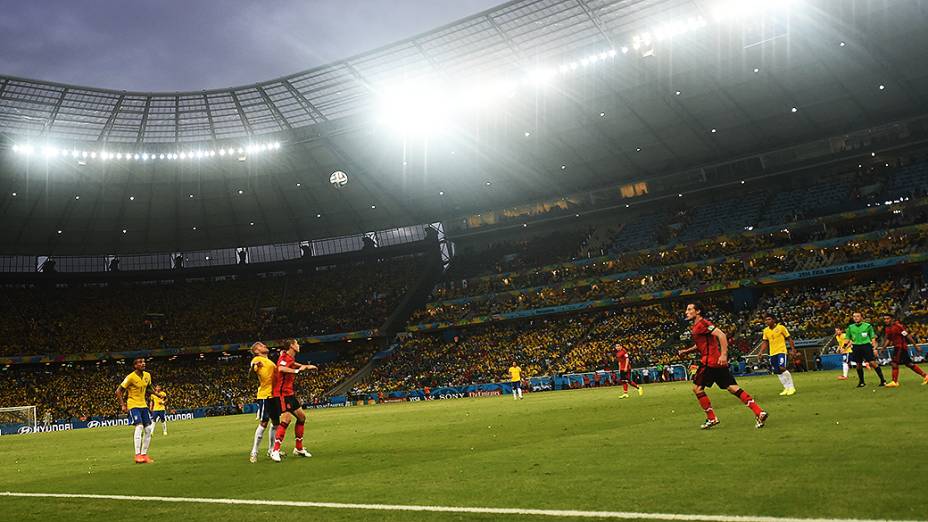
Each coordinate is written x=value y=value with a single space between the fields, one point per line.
x=625 y=371
x=285 y=403
x=264 y=368
x=158 y=400
x=775 y=338
x=136 y=386
x=712 y=345
x=897 y=336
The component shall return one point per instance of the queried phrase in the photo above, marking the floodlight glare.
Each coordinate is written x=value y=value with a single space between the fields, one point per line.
x=276 y=145
x=222 y=152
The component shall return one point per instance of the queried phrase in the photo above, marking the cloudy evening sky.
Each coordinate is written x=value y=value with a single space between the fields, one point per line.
x=171 y=45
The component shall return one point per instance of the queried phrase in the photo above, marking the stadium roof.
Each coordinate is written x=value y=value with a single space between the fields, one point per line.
x=742 y=85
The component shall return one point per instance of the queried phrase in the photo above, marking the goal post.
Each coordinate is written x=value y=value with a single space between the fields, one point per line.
x=14 y=418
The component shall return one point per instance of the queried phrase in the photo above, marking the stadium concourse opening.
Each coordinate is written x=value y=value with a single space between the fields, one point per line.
x=473 y=272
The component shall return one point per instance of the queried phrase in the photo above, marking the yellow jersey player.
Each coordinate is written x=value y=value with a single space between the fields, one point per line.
x=775 y=338
x=264 y=368
x=158 y=400
x=844 y=348
x=515 y=381
x=136 y=386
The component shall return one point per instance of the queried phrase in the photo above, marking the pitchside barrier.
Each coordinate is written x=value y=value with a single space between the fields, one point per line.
x=93 y=422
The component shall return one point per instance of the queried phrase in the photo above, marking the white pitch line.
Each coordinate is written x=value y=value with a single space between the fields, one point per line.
x=445 y=509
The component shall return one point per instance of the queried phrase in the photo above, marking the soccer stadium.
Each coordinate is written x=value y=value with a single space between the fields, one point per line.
x=532 y=260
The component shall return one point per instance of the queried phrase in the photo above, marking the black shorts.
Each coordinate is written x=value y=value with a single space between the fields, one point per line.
x=901 y=356
x=706 y=376
x=516 y=385
x=863 y=353
x=625 y=376
x=276 y=406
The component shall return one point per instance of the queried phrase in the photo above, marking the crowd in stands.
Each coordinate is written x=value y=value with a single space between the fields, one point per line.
x=81 y=390
x=480 y=354
x=815 y=310
x=690 y=275
x=685 y=231
x=118 y=317
x=666 y=256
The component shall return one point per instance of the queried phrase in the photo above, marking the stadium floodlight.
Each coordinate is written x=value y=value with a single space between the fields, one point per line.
x=93 y=155
x=276 y=145
x=135 y=157
x=161 y=156
x=540 y=77
x=145 y=157
x=16 y=148
x=73 y=153
x=734 y=10
x=222 y=152
x=119 y=155
x=183 y=155
x=420 y=107
x=84 y=154
x=48 y=151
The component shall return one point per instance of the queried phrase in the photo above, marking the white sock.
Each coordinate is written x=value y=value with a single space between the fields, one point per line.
x=138 y=438
x=259 y=433
x=789 y=379
x=164 y=426
x=520 y=393
x=146 y=439
x=844 y=368
x=783 y=381
x=514 y=395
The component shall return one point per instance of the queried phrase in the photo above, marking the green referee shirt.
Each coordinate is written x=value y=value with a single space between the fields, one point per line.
x=861 y=333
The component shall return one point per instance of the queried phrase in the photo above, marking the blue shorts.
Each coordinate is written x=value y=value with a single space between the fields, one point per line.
x=264 y=412
x=158 y=415
x=139 y=416
x=778 y=362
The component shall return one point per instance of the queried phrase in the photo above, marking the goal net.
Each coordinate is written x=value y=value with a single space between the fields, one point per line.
x=12 y=419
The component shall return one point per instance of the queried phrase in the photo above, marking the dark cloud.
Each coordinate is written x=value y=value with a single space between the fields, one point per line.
x=173 y=45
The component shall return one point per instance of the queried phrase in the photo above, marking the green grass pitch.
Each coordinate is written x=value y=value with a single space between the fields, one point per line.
x=830 y=451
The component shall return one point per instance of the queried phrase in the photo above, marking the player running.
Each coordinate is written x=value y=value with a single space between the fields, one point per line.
x=135 y=385
x=157 y=401
x=515 y=381
x=264 y=369
x=285 y=403
x=844 y=348
x=712 y=345
x=625 y=371
x=775 y=337
x=863 y=338
x=899 y=338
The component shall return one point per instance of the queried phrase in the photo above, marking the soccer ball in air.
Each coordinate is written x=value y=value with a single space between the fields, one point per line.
x=338 y=179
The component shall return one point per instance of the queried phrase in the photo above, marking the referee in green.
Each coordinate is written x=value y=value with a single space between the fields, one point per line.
x=863 y=337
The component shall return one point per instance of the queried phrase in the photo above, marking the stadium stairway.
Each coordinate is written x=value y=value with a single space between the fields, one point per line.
x=418 y=294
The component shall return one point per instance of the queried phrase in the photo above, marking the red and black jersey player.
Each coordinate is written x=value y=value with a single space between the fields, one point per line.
x=625 y=371
x=284 y=401
x=897 y=336
x=712 y=345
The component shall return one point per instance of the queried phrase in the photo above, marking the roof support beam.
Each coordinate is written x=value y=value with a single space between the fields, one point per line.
x=54 y=115
x=310 y=109
x=241 y=114
x=111 y=120
x=209 y=116
x=596 y=22
x=141 y=134
x=281 y=119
